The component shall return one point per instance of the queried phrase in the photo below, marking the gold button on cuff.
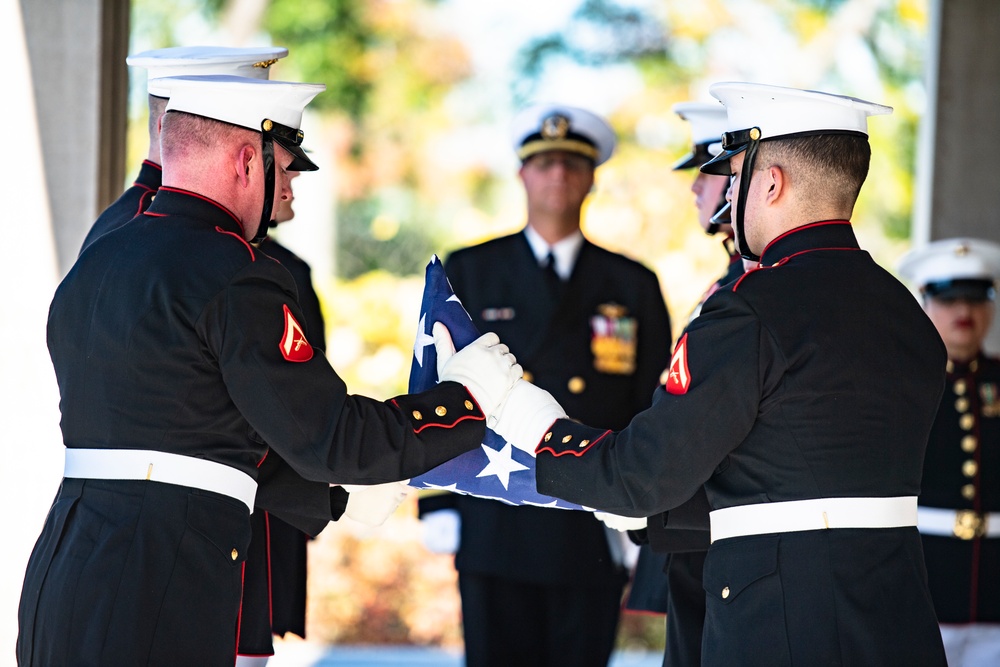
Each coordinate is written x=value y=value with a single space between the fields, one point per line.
x=525 y=375
x=969 y=491
x=548 y=436
x=970 y=468
x=959 y=387
x=584 y=443
x=417 y=415
x=576 y=385
x=235 y=554
x=567 y=438
x=469 y=405
x=725 y=592
x=962 y=404
x=969 y=443
x=967 y=421
x=440 y=411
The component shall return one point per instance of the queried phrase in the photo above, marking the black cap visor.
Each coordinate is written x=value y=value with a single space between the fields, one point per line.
x=966 y=289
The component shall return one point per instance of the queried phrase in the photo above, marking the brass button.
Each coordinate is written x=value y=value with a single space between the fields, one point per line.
x=962 y=404
x=584 y=443
x=974 y=365
x=576 y=385
x=268 y=124
x=526 y=375
x=969 y=443
x=440 y=411
x=235 y=554
x=959 y=387
x=969 y=491
x=567 y=438
x=967 y=421
x=970 y=468
x=468 y=405
x=949 y=367
x=548 y=436
x=417 y=415
x=725 y=592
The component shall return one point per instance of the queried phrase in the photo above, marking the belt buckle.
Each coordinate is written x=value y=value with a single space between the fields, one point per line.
x=969 y=525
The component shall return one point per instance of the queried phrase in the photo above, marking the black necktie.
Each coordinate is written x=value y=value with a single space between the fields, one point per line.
x=552 y=279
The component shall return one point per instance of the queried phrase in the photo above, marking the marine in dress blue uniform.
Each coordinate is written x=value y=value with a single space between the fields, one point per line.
x=682 y=550
x=540 y=586
x=179 y=353
x=251 y=62
x=959 y=513
x=801 y=398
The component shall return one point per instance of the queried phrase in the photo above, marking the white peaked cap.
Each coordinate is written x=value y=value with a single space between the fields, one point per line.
x=707 y=120
x=250 y=62
x=242 y=101
x=951 y=259
x=780 y=111
x=548 y=127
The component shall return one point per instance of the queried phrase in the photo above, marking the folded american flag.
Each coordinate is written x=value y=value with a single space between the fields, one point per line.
x=497 y=469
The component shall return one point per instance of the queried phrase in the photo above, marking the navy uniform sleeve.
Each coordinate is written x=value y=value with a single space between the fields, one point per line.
x=300 y=406
x=669 y=450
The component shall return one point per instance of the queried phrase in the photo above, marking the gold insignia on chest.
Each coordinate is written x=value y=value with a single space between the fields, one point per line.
x=613 y=339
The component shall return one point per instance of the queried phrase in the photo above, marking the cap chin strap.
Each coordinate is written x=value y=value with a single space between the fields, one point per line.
x=716 y=220
x=267 y=154
x=739 y=226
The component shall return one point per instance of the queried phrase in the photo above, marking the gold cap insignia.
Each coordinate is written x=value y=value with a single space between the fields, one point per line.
x=555 y=127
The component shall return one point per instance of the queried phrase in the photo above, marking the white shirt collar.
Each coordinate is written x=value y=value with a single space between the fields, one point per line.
x=565 y=250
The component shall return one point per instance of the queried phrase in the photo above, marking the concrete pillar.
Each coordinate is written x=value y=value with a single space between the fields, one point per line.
x=76 y=50
x=958 y=176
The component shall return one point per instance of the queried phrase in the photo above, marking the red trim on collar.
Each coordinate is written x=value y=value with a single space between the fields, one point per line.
x=253 y=257
x=822 y=223
x=783 y=261
x=153 y=165
x=167 y=188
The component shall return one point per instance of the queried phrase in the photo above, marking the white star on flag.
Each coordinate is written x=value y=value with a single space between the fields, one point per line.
x=501 y=464
x=422 y=341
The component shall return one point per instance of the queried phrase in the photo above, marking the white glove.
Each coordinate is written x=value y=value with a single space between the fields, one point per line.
x=372 y=505
x=439 y=531
x=620 y=523
x=526 y=415
x=485 y=366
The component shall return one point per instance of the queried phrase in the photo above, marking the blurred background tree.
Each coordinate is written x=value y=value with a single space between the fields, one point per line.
x=412 y=134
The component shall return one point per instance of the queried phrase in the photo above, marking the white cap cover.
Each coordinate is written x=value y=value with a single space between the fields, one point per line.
x=549 y=127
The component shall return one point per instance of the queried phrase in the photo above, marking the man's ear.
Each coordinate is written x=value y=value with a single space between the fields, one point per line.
x=244 y=160
x=776 y=183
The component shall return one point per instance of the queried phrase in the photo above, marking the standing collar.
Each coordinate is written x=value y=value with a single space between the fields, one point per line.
x=174 y=201
x=565 y=250
x=823 y=235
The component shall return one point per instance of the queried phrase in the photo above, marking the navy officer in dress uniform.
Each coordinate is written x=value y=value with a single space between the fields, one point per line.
x=179 y=353
x=959 y=513
x=542 y=586
x=801 y=397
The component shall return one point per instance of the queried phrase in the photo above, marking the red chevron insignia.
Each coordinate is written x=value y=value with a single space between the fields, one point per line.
x=294 y=346
x=678 y=377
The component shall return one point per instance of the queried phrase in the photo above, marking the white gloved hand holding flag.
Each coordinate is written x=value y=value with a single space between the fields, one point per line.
x=502 y=468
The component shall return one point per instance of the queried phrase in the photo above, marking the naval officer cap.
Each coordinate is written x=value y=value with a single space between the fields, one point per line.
x=554 y=127
x=708 y=123
x=759 y=112
x=272 y=107
x=251 y=62
x=958 y=268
